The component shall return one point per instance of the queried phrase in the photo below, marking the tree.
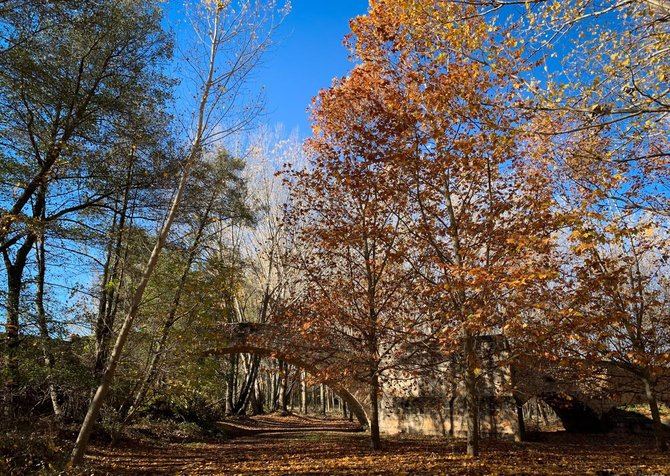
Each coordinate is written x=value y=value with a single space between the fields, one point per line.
x=477 y=209
x=599 y=66
x=62 y=112
x=356 y=300
x=619 y=314
x=220 y=182
x=220 y=27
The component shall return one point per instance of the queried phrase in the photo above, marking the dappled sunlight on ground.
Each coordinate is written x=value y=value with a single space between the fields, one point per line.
x=332 y=452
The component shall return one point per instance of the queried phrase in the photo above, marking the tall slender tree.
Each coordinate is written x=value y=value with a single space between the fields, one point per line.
x=243 y=31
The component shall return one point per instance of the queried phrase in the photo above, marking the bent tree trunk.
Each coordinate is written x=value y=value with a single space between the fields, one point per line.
x=471 y=397
x=171 y=319
x=136 y=301
x=650 y=390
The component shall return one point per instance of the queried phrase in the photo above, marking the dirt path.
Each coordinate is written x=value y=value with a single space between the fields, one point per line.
x=286 y=424
x=326 y=450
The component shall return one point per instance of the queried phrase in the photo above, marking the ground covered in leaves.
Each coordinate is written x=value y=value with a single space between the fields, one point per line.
x=309 y=446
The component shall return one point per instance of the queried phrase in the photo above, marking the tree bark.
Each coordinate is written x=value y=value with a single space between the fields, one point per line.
x=520 y=434
x=650 y=390
x=256 y=399
x=471 y=395
x=323 y=399
x=12 y=326
x=104 y=326
x=49 y=360
x=452 y=401
x=303 y=392
x=230 y=384
x=375 y=441
x=247 y=387
x=283 y=388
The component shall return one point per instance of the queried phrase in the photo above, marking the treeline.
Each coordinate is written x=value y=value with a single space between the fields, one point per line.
x=115 y=151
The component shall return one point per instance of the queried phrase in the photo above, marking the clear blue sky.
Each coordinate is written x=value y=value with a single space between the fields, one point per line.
x=308 y=55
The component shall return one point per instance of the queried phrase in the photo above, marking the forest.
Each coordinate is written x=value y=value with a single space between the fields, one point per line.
x=463 y=267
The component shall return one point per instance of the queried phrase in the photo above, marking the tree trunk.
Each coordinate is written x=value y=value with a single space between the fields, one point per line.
x=283 y=388
x=520 y=434
x=136 y=301
x=375 y=441
x=247 y=386
x=256 y=399
x=650 y=390
x=49 y=360
x=471 y=395
x=303 y=392
x=323 y=399
x=14 y=283
x=104 y=326
x=452 y=401
x=12 y=326
x=230 y=384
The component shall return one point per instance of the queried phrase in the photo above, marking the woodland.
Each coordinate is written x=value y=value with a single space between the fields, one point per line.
x=188 y=290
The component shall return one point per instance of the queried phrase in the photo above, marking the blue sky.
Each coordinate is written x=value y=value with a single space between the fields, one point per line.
x=308 y=55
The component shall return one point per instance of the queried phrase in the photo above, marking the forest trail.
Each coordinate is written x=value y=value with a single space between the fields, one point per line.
x=273 y=423
x=298 y=445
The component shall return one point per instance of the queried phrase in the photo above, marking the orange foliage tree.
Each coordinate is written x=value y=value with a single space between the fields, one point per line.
x=613 y=314
x=356 y=302
x=416 y=166
x=479 y=206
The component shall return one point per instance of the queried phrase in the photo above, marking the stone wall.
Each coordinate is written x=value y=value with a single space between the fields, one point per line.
x=433 y=403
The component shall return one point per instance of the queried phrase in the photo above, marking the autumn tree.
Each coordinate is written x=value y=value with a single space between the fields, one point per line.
x=612 y=282
x=599 y=66
x=357 y=298
x=478 y=209
x=619 y=313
